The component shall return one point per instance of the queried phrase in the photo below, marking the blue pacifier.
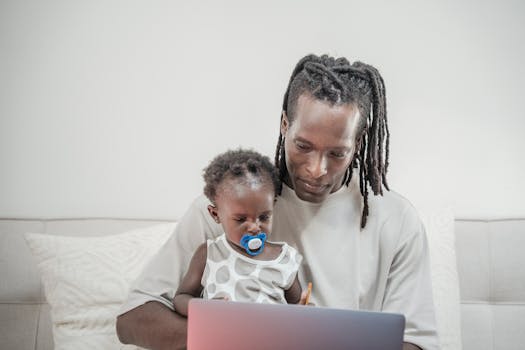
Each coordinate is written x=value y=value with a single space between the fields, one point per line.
x=254 y=245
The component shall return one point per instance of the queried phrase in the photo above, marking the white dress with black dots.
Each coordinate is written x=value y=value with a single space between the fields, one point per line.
x=239 y=278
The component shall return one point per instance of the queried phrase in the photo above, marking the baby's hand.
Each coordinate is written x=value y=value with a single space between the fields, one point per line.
x=305 y=296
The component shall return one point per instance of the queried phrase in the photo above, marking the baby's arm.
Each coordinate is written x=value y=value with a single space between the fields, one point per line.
x=293 y=294
x=190 y=286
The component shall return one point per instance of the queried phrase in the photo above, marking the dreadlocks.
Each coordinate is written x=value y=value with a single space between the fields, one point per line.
x=338 y=82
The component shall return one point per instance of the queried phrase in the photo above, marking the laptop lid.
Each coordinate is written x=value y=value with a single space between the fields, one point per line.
x=226 y=325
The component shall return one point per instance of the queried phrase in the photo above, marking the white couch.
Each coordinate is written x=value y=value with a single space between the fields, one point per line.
x=490 y=258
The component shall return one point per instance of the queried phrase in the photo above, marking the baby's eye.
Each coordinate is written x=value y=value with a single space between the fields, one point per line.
x=264 y=217
x=240 y=219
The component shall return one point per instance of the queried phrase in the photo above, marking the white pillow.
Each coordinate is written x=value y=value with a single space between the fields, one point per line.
x=86 y=279
x=439 y=226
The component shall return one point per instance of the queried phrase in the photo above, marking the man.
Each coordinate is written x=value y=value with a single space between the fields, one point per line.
x=360 y=251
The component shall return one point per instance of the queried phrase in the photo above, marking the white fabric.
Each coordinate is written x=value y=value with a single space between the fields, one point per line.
x=86 y=279
x=439 y=224
x=384 y=267
x=229 y=274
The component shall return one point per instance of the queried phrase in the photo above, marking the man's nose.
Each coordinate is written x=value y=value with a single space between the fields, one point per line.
x=316 y=166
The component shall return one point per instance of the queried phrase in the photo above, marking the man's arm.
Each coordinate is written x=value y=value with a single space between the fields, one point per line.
x=410 y=346
x=147 y=318
x=152 y=326
x=409 y=286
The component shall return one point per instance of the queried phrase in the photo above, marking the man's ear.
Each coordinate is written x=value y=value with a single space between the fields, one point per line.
x=214 y=214
x=284 y=124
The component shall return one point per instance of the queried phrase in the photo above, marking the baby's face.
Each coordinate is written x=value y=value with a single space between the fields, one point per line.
x=244 y=207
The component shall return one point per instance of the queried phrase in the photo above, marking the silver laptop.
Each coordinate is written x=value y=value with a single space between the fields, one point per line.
x=226 y=325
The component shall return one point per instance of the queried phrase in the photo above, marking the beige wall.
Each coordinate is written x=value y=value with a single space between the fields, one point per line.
x=112 y=108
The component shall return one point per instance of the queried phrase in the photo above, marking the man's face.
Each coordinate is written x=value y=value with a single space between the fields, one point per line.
x=319 y=145
x=244 y=207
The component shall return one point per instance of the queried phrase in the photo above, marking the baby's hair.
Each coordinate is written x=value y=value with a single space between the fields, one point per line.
x=239 y=164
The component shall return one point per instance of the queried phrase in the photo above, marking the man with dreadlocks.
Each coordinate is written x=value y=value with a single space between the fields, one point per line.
x=361 y=251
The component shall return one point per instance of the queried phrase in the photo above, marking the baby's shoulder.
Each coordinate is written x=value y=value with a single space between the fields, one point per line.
x=273 y=250
x=287 y=253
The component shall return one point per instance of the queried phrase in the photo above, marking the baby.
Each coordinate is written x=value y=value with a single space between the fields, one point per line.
x=241 y=264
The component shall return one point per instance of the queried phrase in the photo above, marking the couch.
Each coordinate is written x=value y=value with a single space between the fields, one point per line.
x=490 y=264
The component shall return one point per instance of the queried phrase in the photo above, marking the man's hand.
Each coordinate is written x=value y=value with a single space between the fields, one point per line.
x=410 y=346
x=153 y=326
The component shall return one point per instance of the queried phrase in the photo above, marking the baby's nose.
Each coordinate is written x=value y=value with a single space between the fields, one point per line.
x=254 y=228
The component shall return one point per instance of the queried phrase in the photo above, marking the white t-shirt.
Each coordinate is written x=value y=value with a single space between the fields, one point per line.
x=383 y=267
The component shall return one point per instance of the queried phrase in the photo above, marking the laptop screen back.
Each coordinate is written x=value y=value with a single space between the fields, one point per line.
x=223 y=325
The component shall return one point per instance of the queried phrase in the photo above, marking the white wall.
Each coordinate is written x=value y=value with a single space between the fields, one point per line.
x=112 y=108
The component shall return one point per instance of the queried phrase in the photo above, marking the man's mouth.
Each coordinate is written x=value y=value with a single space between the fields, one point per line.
x=312 y=187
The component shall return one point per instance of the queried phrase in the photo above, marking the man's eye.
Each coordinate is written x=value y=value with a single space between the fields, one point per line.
x=302 y=147
x=338 y=154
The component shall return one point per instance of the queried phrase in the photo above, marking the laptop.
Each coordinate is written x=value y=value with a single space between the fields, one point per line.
x=227 y=325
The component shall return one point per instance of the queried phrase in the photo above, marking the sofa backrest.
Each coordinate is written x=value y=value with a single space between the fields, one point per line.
x=25 y=321
x=491 y=268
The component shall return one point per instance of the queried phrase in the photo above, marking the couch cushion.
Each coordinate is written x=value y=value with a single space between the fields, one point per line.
x=18 y=326
x=477 y=327
x=491 y=257
x=492 y=326
x=44 y=336
x=20 y=277
x=509 y=326
x=95 y=227
x=439 y=224
x=87 y=278
x=507 y=257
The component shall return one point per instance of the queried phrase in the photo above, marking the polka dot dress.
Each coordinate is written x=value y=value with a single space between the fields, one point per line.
x=240 y=278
